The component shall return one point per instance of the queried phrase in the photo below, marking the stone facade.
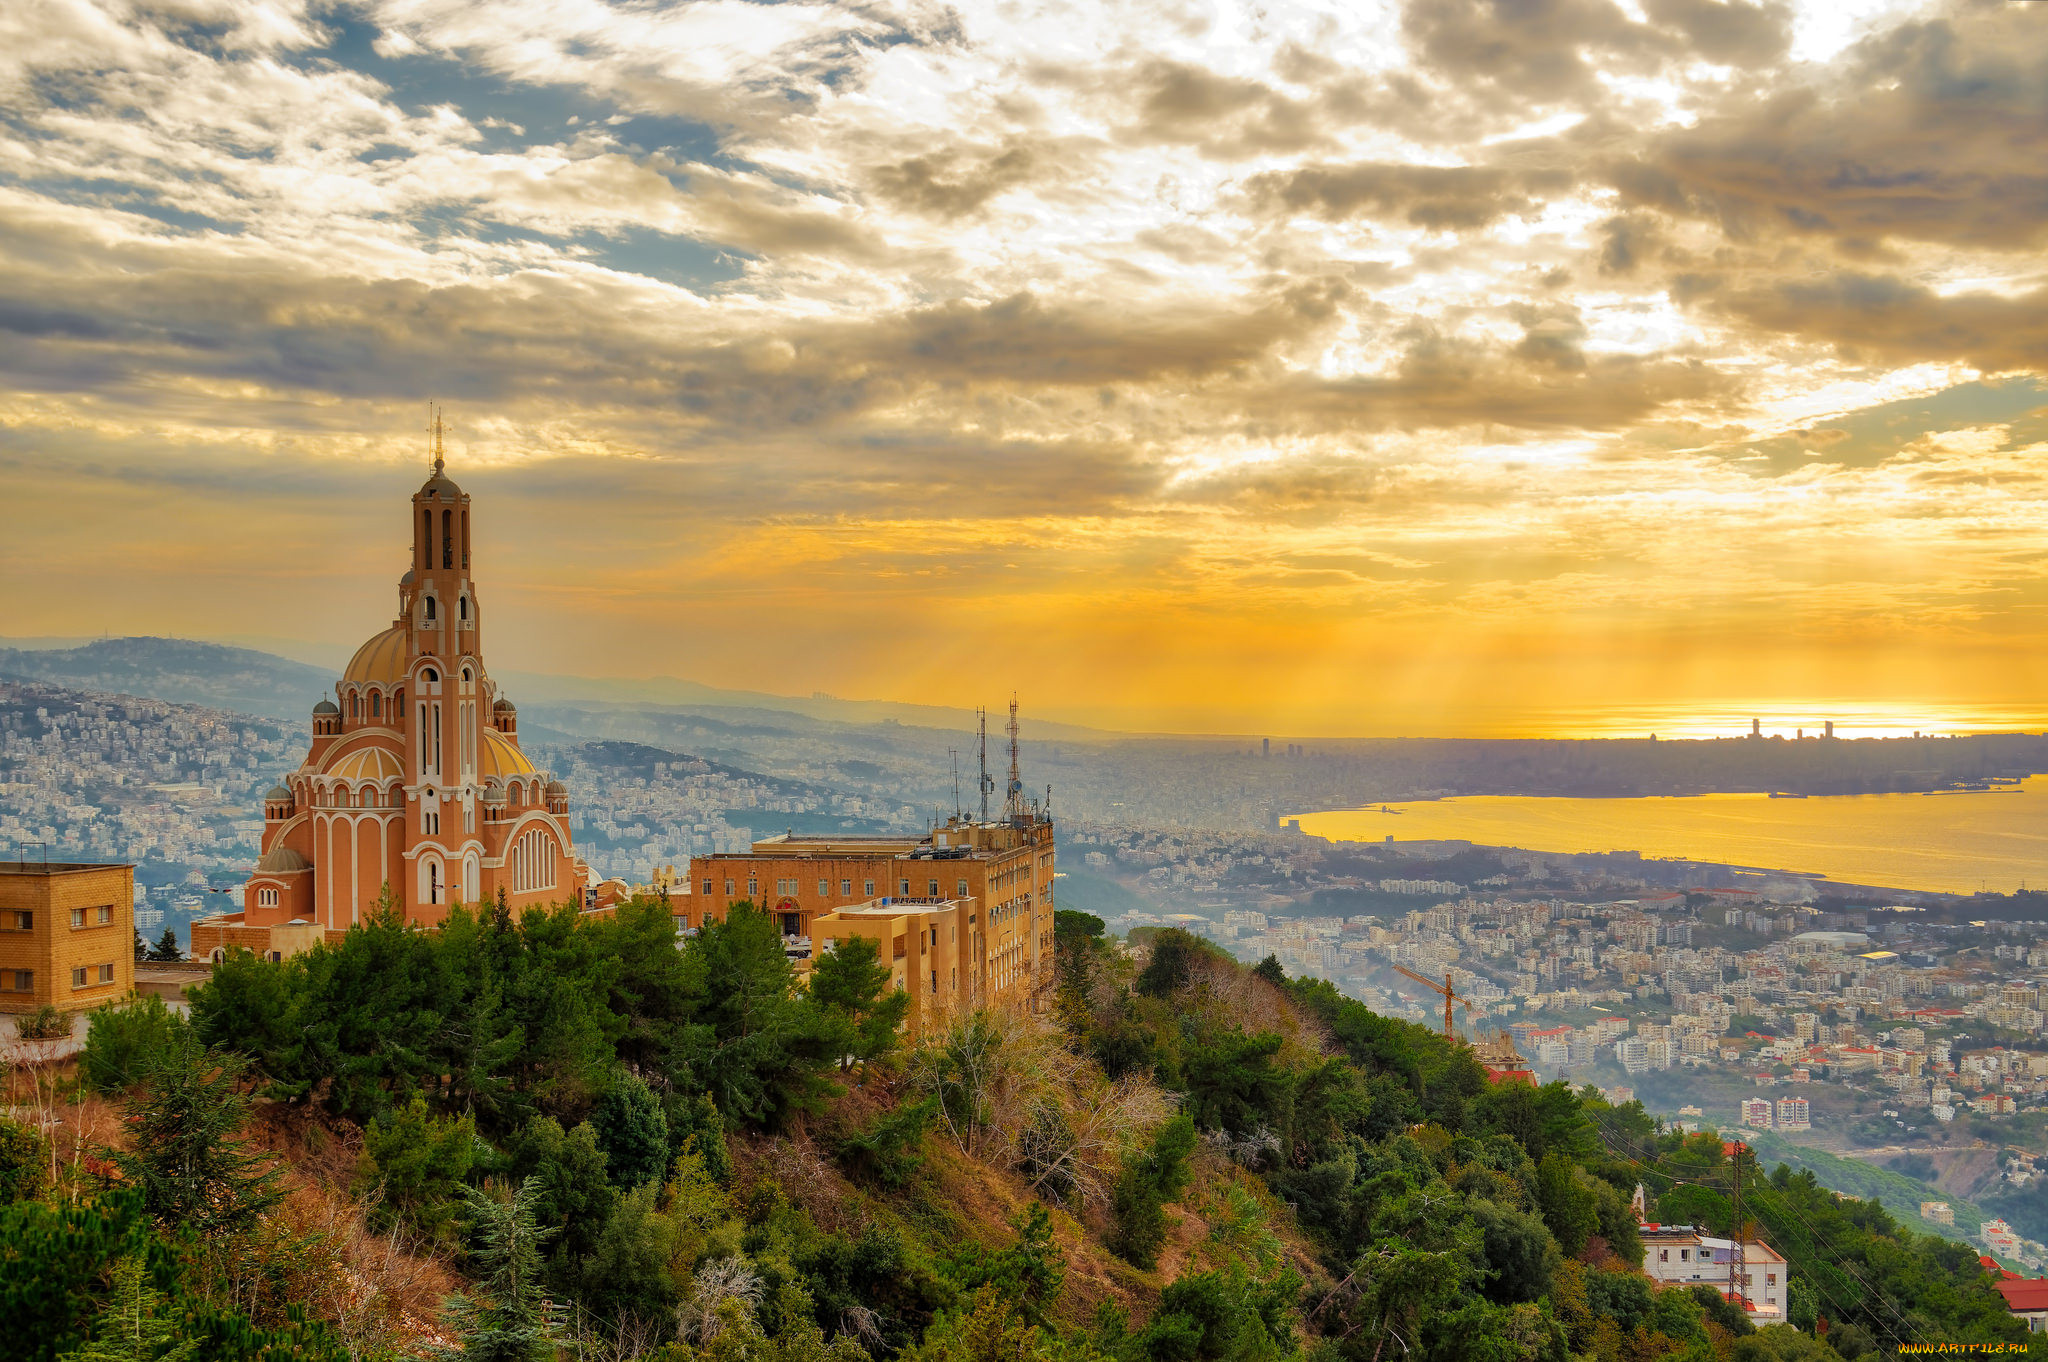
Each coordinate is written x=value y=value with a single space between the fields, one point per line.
x=67 y=934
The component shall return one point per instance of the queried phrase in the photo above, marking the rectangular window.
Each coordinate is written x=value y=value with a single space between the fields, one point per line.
x=931 y=888
x=846 y=889
x=728 y=888
x=106 y=974
x=871 y=888
x=707 y=886
x=1663 y=1255
x=960 y=889
x=1770 y=1279
x=824 y=888
x=78 y=917
x=753 y=889
x=25 y=922
x=78 y=977
x=903 y=888
x=106 y=914
x=24 y=980
x=935 y=981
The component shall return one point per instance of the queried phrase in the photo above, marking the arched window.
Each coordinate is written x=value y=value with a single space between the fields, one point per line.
x=462 y=609
x=426 y=538
x=430 y=609
x=355 y=705
x=376 y=704
x=430 y=676
x=447 y=539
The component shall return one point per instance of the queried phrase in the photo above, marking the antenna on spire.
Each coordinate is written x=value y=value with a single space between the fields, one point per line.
x=438 y=458
x=954 y=753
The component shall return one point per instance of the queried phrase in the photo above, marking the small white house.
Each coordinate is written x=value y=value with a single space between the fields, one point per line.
x=1679 y=1255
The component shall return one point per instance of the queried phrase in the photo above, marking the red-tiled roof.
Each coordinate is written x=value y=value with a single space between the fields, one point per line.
x=2024 y=1294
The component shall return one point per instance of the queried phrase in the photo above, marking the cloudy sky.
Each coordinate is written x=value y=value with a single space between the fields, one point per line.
x=1318 y=367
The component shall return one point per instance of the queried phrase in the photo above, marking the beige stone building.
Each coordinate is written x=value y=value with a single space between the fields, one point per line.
x=67 y=934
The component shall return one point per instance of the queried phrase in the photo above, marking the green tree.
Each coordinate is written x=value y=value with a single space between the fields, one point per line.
x=759 y=1046
x=573 y=1199
x=187 y=1161
x=415 y=1165
x=1569 y=1207
x=851 y=984
x=1028 y=1273
x=887 y=1149
x=135 y=1325
x=24 y=1162
x=123 y=1041
x=510 y=1318
x=633 y=1133
x=1146 y=1183
x=166 y=947
x=1174 y=956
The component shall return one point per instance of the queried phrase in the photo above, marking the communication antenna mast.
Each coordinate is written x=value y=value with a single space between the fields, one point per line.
x=1013 y=798
x=982 y=714
x=954 y=753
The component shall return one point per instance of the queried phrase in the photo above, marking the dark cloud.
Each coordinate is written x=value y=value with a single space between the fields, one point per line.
x=1440 y=198
x=1883 y=318
x=1228 y=117
x=1936 y=131
x=953 y=183
x=1730 y=34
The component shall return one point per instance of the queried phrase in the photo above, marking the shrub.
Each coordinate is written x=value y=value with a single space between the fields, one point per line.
x=24 y=1162
x=125 y=1041
x=45 y=1023
x=1149 y=1180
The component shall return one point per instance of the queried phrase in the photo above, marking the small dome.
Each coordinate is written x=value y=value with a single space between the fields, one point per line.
x=494 y=795
x=504 y=707
x=441 y=486
x=326 y=707
x=407 y=579
x=282 y=860
x=278 y=795
x=556 y=787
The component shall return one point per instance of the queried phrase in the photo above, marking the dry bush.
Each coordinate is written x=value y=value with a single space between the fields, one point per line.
x=1012 y=1092
x=808 y=1179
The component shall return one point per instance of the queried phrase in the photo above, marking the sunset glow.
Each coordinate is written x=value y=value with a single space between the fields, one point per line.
x=1382 y=368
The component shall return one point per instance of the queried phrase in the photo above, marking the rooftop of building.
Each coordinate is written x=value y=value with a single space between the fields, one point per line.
x=899 y=905
x=39 y=867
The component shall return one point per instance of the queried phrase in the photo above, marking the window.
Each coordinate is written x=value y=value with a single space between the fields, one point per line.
x=106 y=914
x=462 y=608
x=1685 y=1255
x=960 y=889
x=871 y=888
x=266 y=898
x=78 y=917
x=106 y=974
x=903 y=888
x=1770 y=1279
x=78 y=977
x=25 y=922
x=533 y=861
x=931 y=888
x=707 y=887
x=935 y=938
x=824 y=888
x=22 y=980
x=846 y=889
x=376 y=705
x=682 y=923
x=753 y=888
x=728 y=888
x=430 y=610
x=935 y=981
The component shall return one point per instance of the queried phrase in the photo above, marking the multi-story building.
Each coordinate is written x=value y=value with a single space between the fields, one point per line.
x=1756 y=1113
x=1940 y=1212
x=1792 y=1114
x=1002 y=870
x=940 y=953
x=1750 y=1273
x=414 y=779
x=66 y=934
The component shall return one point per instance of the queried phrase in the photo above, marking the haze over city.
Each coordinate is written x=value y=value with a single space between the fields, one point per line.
x=1347 y=368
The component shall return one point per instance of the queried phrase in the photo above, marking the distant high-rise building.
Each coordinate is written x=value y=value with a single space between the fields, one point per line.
x=1756 y=1113
x=1791 y=1114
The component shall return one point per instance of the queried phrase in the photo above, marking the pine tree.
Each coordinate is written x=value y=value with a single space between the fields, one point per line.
x=513 y=1321
x=851 y=984
x=133 y=1326
x=186 y=1161
x=166 y=947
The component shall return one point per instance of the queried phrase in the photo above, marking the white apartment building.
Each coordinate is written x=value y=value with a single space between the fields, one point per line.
x=1679 y=1255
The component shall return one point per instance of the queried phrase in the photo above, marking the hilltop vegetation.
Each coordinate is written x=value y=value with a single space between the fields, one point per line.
x=562 y=1136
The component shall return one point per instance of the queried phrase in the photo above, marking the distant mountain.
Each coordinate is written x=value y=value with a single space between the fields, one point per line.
x=180 y=670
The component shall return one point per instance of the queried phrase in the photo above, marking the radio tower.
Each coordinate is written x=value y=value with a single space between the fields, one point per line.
x=1013 y=801
x=982 y=714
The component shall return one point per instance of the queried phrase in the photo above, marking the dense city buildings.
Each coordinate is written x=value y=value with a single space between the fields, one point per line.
x=65 y=934
x=415 y=780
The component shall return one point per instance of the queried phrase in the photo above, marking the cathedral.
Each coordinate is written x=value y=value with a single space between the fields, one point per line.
x=414 y=779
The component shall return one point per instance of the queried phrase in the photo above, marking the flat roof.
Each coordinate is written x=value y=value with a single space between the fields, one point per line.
x=896 y=906
x=60 y=867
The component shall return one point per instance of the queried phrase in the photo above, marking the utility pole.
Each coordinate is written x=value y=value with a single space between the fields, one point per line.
x=1738 y=1260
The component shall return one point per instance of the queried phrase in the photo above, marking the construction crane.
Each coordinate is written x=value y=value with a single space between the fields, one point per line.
x=1443 y=988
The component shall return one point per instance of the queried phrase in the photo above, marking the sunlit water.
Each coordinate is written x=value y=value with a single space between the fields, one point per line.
x=1954 y=843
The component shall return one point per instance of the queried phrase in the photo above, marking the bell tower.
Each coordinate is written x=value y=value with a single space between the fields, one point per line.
x=437 y=595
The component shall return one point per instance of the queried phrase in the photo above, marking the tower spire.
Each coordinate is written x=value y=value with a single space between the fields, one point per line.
x=439 y=460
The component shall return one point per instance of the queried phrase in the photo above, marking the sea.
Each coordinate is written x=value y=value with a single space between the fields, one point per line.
x=1959 y=842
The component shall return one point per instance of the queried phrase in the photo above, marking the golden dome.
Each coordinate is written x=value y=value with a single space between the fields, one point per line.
x=367 y=763
x=501 y=758
x=381 y=661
